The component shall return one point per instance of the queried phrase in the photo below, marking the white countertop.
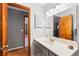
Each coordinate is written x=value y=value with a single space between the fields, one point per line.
x=59 y=47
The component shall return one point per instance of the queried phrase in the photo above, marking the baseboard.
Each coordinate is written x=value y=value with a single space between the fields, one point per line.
x=15 y=48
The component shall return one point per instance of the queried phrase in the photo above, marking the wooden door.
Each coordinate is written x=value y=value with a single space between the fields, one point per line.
x=3 y=29
x=65 y=27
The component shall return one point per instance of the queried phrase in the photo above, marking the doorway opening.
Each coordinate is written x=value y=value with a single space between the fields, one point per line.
x=17 y=32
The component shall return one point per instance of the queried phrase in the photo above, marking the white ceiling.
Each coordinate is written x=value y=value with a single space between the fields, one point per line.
x=46 y=4
x=43 y=4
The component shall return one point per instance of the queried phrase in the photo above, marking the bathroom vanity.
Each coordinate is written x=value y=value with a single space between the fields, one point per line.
x=40 y=50
x=46 y=47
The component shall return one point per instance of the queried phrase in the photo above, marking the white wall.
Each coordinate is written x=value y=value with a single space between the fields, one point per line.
x=38 y=10
x=77 y=13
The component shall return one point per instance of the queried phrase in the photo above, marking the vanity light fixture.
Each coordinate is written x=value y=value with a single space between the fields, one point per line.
x=47 y=13
x=52 y=9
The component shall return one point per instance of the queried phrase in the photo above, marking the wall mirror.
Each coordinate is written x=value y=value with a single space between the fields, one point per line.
x=63 y=24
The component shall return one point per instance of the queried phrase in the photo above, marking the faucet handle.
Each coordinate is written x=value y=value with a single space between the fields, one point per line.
x=51 y=40
x=70 y=47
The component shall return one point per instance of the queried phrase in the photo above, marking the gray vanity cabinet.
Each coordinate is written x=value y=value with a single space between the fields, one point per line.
x=40 y=50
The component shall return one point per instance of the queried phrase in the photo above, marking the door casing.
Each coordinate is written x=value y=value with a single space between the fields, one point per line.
x=4 y=26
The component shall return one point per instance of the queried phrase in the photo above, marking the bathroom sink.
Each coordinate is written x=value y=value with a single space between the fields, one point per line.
x=71 y=45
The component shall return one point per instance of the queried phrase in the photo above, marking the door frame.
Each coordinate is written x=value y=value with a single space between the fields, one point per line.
x=5 y=26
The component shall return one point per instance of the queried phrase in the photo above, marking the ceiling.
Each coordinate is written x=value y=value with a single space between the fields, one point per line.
x=42 y=4
x=46 y=4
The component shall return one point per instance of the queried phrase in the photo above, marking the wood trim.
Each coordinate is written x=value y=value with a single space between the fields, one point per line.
x=4 y=28
x=19 y=6
x=1 y=28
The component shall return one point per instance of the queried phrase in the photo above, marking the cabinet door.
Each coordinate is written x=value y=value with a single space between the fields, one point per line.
x=37 y=51
x=40 y=50
x=44 y=50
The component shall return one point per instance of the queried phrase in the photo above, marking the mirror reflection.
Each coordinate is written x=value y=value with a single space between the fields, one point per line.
x=63 y=24
x=63 y=27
